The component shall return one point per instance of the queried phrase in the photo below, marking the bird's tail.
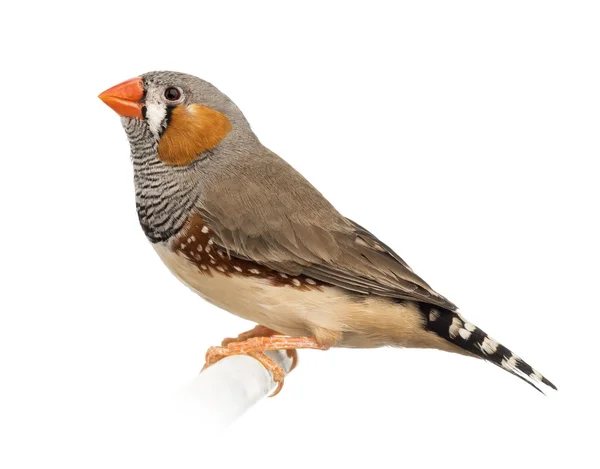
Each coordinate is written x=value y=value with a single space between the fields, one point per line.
x=455 y=329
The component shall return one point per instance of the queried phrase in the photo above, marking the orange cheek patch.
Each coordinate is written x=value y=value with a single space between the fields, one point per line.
x=192 y=130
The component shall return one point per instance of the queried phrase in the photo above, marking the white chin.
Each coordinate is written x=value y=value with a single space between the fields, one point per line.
x=155 y=115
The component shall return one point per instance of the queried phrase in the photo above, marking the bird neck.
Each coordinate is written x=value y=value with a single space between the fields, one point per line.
x=164 y=195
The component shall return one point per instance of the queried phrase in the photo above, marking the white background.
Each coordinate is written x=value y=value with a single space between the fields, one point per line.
x=463 y=134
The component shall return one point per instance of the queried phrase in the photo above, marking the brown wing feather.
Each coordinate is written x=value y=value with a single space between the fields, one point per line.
x=281 y=221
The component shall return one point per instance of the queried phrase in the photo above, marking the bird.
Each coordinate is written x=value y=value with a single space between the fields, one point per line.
x=248 y=233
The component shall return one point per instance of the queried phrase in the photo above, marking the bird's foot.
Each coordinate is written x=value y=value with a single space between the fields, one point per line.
x=256 y=346
x=263 y=331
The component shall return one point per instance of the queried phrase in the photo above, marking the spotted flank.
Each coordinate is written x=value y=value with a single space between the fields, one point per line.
x=195 y=242
x=454 y=328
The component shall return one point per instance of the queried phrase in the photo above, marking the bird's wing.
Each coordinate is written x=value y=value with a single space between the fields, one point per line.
x=282 y=222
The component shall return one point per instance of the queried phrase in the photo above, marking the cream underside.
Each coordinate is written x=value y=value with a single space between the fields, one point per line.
x=330 y=314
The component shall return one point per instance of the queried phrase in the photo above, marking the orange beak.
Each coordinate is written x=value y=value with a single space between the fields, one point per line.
x=125 y=97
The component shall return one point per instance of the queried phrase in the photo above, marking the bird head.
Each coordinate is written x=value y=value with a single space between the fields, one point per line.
x=186 y=139
x=184 y=115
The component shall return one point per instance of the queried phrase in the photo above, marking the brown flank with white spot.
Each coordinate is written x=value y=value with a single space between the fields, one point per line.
x=197 y=245
x=293 y=305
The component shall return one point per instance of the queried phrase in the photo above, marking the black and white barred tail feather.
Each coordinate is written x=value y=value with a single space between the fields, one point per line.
x=455 y=329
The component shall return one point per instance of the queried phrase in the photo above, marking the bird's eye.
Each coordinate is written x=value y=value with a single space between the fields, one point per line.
x=172 y=93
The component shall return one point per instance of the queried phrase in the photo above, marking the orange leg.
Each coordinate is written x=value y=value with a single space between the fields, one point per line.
x=258 y=331
x=262 y=331
x=256 y=346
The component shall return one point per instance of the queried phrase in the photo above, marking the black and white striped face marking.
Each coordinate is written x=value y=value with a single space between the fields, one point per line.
x=159 y=101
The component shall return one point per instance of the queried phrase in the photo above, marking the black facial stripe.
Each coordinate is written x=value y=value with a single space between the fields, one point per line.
x=168 y=116
x=143 y=99
x=167 y=119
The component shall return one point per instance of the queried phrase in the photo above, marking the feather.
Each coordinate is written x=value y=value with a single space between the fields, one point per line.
x=279 y=220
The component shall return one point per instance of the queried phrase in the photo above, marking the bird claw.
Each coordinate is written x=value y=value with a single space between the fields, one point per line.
x=215 y=354
x=262 y=331
x=255 y=348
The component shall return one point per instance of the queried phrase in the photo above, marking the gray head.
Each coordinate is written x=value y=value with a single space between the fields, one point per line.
x=165 y=91
x=175 y=122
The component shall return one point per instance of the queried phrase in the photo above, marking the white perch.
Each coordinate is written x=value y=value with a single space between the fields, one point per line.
x=223 y=392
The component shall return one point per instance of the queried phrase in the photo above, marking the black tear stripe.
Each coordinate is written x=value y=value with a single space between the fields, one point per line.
x=167 y=119
x=439 y=321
